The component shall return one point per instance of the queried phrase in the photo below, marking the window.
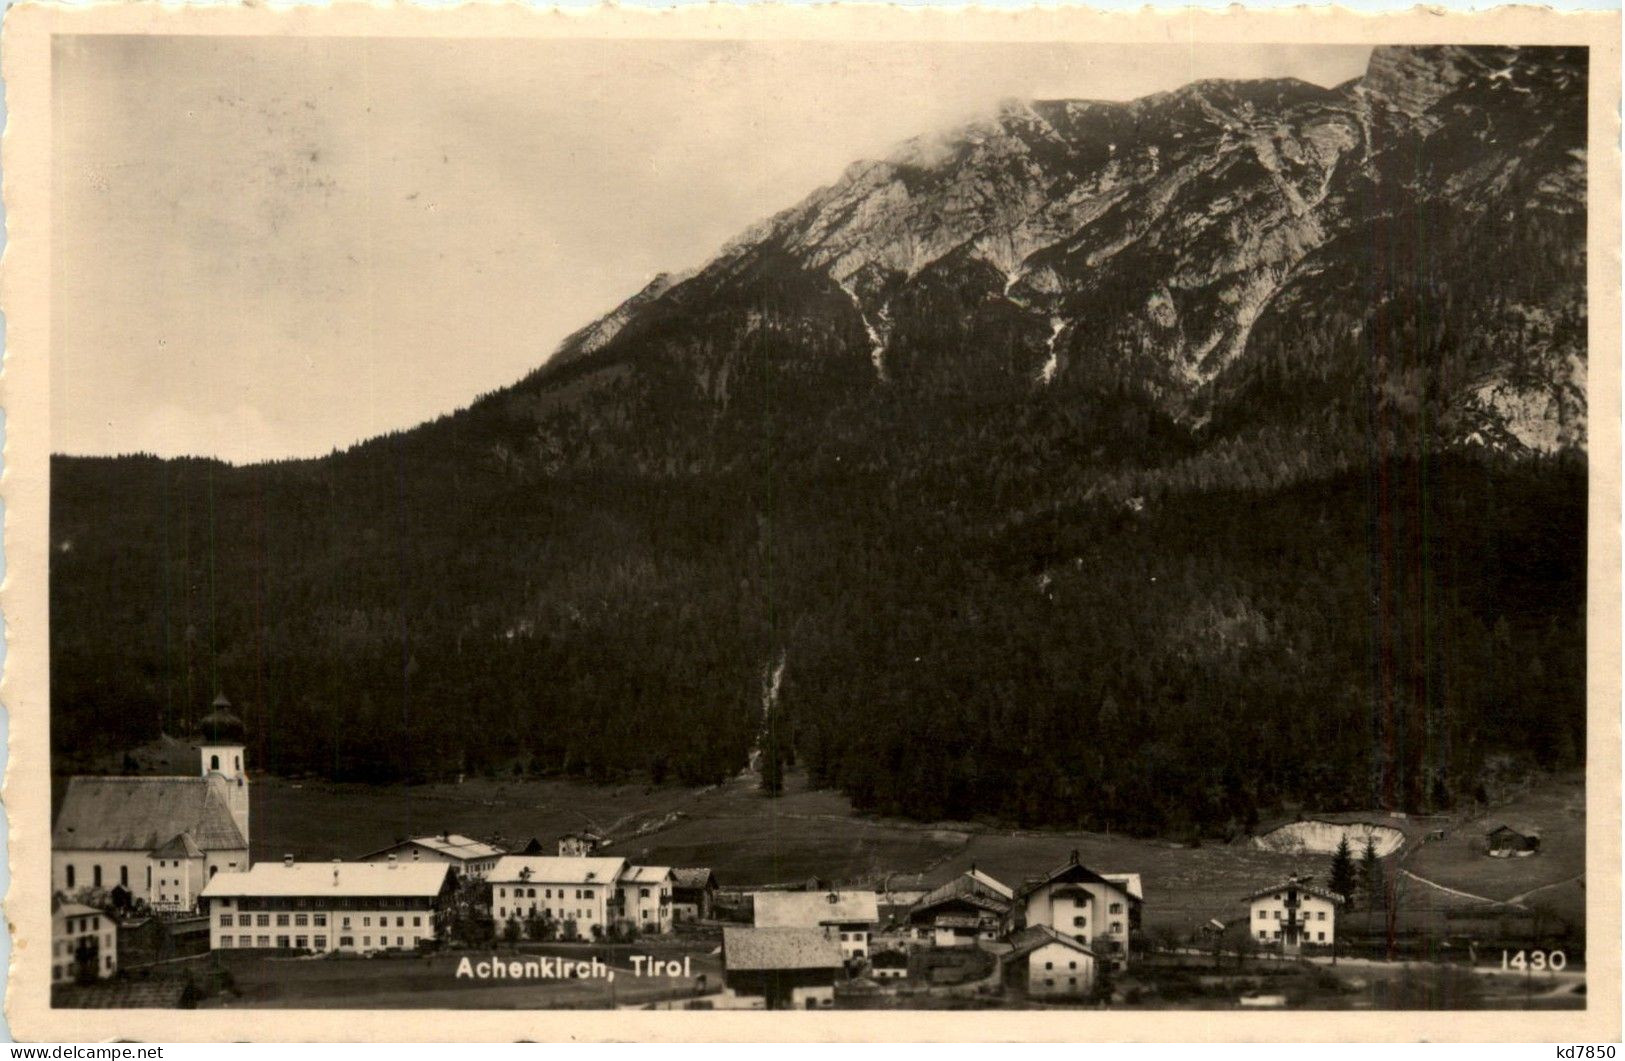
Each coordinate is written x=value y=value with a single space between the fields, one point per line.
x=237 y=763
x=1049 y=982
x=1263 y=933
x=320 y=920
x=346 y=941
x=225 y=920
x=417 y=922
x=530 y=893
x=282 y=941
x=1071 y=965
x=70 y=876
x=214 y=762
x=96 y=876
x=502 y=911
x=212 y=871
x=1277 y=915
x=643 y=893
x=366 y=922
x=302 y=942
x=321 y=942
x=281 y=920
x=366 y=941
x=1320 y=936
x=262 y=941
x=1320 y=915
x=225 y=941
x=1263 y=915
x=263 y=920
x=1049 y=965
x=399 y=942
x=502 y=893
x=346 y=922
x=1117 y=928
x=245 y=941
x=1116 y=908
x=300 y=920
x=124 y=875
x=1080 y=922
x=400 y=922
x=550 y=892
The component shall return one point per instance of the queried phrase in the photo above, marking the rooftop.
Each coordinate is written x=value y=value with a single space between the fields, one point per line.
x=1301 y=885
x=142 y=813
x=779 y=948
x=556 y=869
x=645 y=874
x=811 y=909
x=452 y=845
x=1030 y=939
x=693 y=877
x=377 y=879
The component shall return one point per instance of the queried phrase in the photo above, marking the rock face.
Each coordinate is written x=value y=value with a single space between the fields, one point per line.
x=1315 y=837
x=1171 y=246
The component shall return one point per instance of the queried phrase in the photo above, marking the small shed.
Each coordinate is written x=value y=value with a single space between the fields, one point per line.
x=1510 y=840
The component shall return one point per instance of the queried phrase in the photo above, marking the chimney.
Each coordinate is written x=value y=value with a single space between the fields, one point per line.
x=287 y=860
x=336 y=873
x=1074 y=856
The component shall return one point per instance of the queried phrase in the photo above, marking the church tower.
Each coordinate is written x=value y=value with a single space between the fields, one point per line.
x=222 y=747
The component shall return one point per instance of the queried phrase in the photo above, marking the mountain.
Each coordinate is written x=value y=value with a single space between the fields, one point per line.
x=1135 y=465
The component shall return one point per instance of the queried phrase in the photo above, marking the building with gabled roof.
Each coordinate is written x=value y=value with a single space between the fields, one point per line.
x=972 y=906
x=1293 y=913
x=328 y=906
x=1511 y=840
x=1095 y=909
x=781 y=967
x=848 y=917
x=693 y=893
x=471 y=858
x=1044 y=963
x=84 y=943
x=645 y=897
x=580 y=894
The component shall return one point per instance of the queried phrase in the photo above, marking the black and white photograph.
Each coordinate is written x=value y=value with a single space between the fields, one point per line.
x=695 y=525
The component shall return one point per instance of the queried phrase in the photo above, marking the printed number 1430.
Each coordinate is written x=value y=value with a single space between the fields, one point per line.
x=1535 y=960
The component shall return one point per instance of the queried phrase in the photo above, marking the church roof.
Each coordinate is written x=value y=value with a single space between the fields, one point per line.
x=181 y=846
x=143 y=813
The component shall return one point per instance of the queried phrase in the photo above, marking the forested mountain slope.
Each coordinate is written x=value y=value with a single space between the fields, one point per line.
x=1118 y=464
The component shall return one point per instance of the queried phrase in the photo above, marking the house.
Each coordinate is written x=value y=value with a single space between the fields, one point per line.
x=1044 y=963
x=579 y=845
x=84 y=944
x=1095 y=909
x=645 y=897
x=782 y=967
x=889 y=965
x=971 y=907
x=328 y=906
x=471 y=858
x=849 y=918
x=158 y=838
x=1507 y=840
x=580 y=894
x=1293 y=913
x=693 y=893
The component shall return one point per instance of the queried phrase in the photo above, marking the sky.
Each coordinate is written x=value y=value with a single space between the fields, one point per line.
x=273 y=247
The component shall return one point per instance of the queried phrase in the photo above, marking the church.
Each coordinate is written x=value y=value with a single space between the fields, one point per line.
x=158 y=839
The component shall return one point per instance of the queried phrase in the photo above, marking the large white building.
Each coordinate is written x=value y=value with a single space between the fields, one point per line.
x=848 y=918
x=1047 y=964
x=83 y=939
x=327 y=906
x=580 y=894
x=471 y=858
x=160 y=839
x=1098 y=910
x=1293 y=913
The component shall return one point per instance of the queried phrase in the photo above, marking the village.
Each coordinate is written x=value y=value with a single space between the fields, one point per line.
x=158 y=902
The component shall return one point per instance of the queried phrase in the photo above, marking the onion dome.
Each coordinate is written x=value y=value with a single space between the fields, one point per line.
x=221 y=726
